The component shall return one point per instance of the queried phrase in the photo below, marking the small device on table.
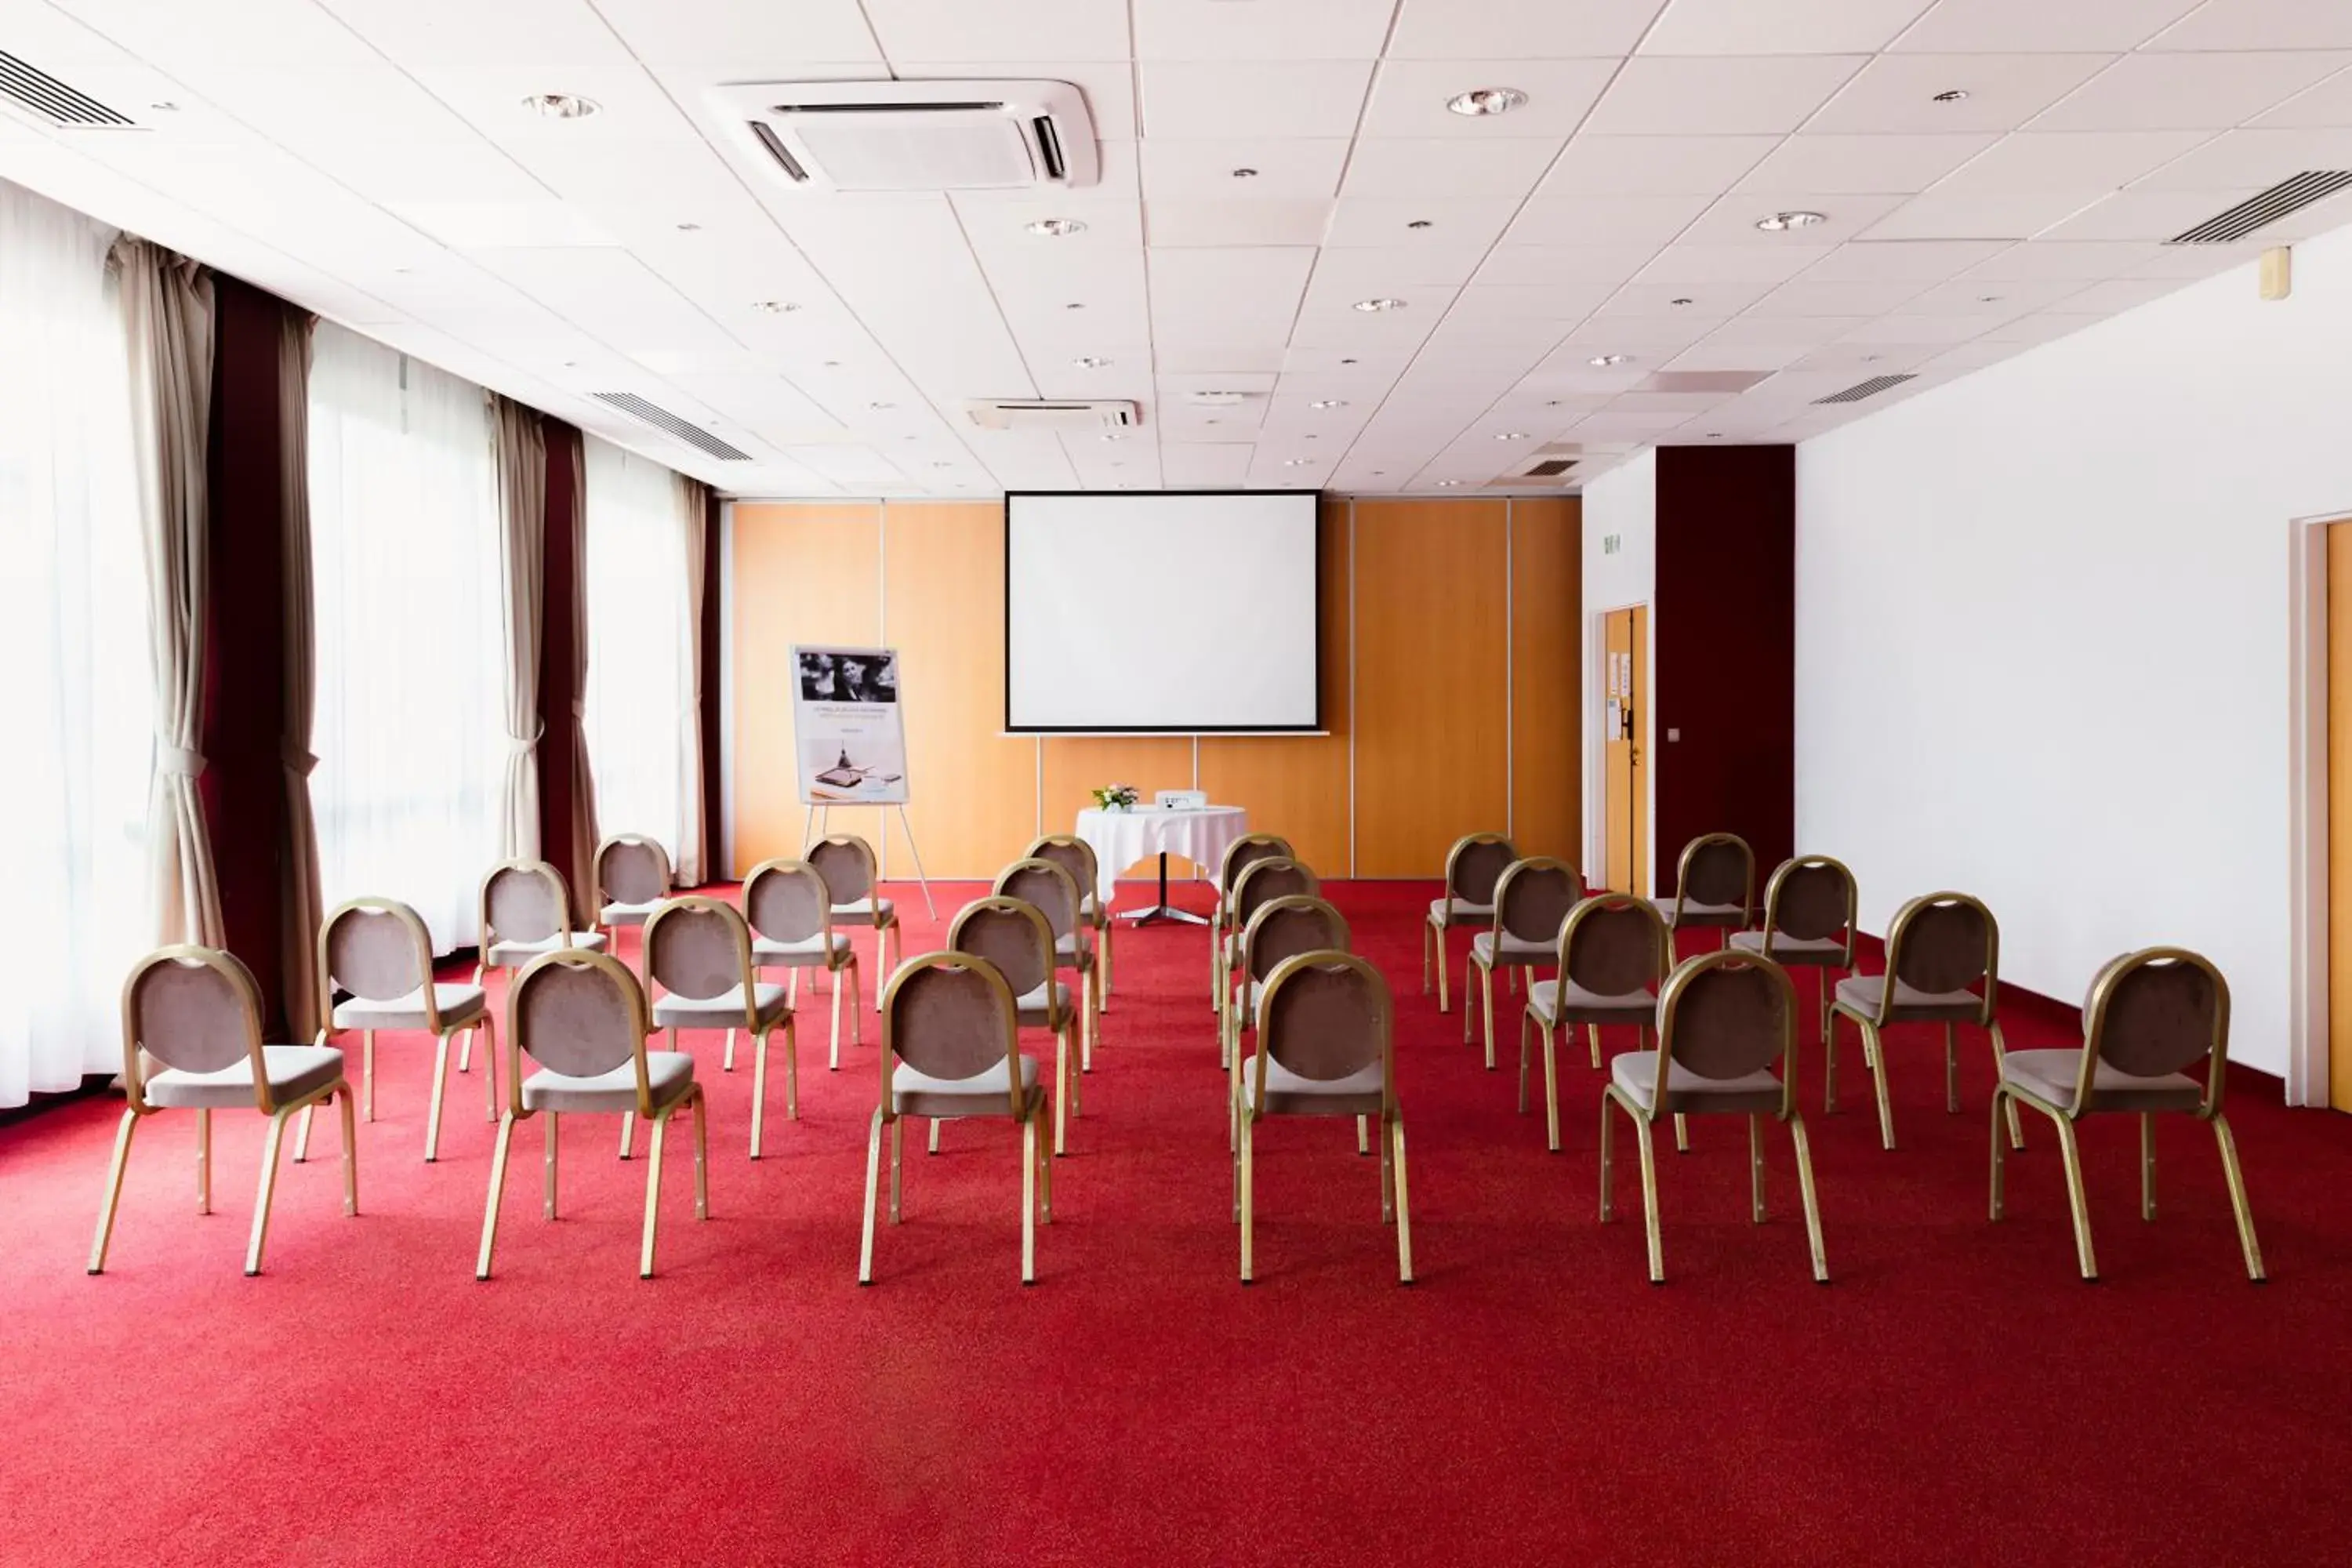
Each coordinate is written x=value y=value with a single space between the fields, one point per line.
x=1181 y=799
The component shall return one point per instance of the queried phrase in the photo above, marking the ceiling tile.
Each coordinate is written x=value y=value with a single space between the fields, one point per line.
x=2210 y=91
x=2328 y=104
x=1896 y=94
x=2064 y=160
x=1995 y=26
x=1732 y=220
x=1650 y=298
x=1452 y=222
x=1605 y=220
x=1656 y=95
x=1780 y=27
x=1374 y=269
x=1804 y=297
x=1806 y=329
x=757 y=40
x=1708 y=353
x=1000 y=30
x=2154 y=215
x=1537 y=265
x=476 y=226
x=2261 y=25
x=2081 y=260
x=1226 y=99
x=2119 y=294
x=1887 y=261
x=2043 y=328
x=1204 y=465
x=1296 y=30
x=1409 y=97
x=2250 y=161
x=1654 y=165
x=1443 y=166
x=1520 y=29
x=1688 y=263
x=1967 y=214
x=1834 y=165
x=1211 y=222
x=2002 y=301
x=1205 y=170
x=1227 y=297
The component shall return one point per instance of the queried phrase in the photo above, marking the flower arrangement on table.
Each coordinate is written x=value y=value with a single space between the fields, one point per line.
x=1117 y=797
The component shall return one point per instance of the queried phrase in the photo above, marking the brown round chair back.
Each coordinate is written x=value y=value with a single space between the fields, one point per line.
x=846 y=863
x=948 y=1014
x=578 y=1014
x=1048 y=887
x=632 y=870
x=1811 y=897
x=194 y=1009
x=375 y=949
x=1288 y=926
x=1533 y=898
x=1475 y=864
x=1326 y=1015
x=698 y=947
x=1718 y=868
x=1011 y=933
x=1265 y=881
x=1613 y=944
x=2161 y=1010
x=524 y=900
x=1074 y=856
x=1943 y=943
x=1727 y=1014
x=787 y=900
x=1247 y=850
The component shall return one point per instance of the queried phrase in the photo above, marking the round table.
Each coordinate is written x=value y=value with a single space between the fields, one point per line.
x=1120 y=839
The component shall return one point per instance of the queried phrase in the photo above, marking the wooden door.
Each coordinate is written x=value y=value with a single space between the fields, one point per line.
x=1624 y=718
x=2339 y=815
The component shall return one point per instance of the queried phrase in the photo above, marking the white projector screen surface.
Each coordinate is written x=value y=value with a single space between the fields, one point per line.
x=1183 y=612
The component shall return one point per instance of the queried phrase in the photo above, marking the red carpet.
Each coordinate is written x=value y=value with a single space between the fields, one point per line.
x=1957 y=1395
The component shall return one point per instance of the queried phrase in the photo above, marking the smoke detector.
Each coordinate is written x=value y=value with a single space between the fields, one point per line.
x=912 y=135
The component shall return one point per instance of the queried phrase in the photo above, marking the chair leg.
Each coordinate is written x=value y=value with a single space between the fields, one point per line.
x=832 y=1062
x=302 y=1136
x=1045 y=1180
x=490 y=1033
x=700 y=1103
x=1085 y=1026
x=658 y=1132
x=1552 y=1093
x=1999 y=1071
x=1247 y=1174
x=1486 y=1008
x=1649 y=1199
x=1951 y=1070
x=932 y=1147
x=1874 y=1050
x=113 y=1198
x=1404 y=1208
x=1607 y=1159
x=1443 y=1005
x=1756 y=1168
x=1105 y=928
x=2239 y=1206
x=367 y=1073
x=497 y=1187
x=1387 y=1175
x=628 y=1131
x=1524 y=1022
x=1428 y=954
x=2077 y=1201
x=856 y=1003
x=1812 y=1200
x=262 y=1199
x=897 y=1162
x=1592 y=1039
x=1062 y=1089
x=2146 y=1166
x=2000 y=1166
x=1028 y=1199
x=1363 y=1135
x=727 y=1057
x=873 y=1192
x=433 y=1111
x=465 y=1049
x=1681 y=1134
x=1828 y=1063
x=204 y=1161
x=758 y=1088
x=553 y=1132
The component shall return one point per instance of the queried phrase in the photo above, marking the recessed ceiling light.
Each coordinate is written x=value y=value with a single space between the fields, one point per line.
x=166 y=107
x=1951 y=95
x=941 y=463
x=1778 y=223
x=1114 y=436
x=1074 y=305
x=1988 y=298
x=1297 y=462
x=1090 y=361
x=1346 y=360
x=1056 y=228
x=1419 y=223
x=689 y=228
x=830 y=364
x=1448 y=484
x=560 y=105
x=1481 y=100
x=1329 y=403
x=1244 y=173
x=1605 y=361
x=1715 y=435
x=881 y=405
x=774 y=307
x=1681 y=300
x=1510 y=434
x=1385 y=302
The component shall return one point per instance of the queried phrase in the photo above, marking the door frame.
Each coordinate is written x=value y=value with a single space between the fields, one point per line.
x=2307 y=958
x=1596 y=747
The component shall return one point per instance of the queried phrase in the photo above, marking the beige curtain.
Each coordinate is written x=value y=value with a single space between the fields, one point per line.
x=693 y=832
x=167 y=303
x=522 y=566
x=581 y=872
x=299 y=905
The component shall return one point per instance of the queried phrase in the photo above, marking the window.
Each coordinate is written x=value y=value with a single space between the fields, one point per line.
x=76 y=704
x=410 y=728
x=639 y=682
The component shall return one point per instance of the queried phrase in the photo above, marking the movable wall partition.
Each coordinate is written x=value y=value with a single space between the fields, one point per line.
x=1450 y=670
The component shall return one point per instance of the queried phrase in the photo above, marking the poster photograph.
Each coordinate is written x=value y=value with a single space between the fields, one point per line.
x=848 y=739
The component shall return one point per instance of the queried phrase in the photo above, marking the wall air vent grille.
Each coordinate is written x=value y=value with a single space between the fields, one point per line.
x=52 y=99
x=669 y=424
x=1862 y=389
x=2289 y=195
x=1552 y=467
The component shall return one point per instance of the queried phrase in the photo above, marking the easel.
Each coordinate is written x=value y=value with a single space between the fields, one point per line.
x=815 y=818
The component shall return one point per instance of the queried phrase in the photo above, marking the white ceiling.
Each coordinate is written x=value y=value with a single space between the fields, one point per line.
x=373 y=160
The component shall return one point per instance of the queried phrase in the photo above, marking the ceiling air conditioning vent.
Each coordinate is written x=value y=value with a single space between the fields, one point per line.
x=914 y=135
x=669 y=424
x=1053 y=415
x=1862 y=389
x=2289 y=195
x=32 y=88
x=1552 y=467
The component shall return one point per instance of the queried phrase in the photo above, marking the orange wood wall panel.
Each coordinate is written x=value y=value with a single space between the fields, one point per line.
x=801 y=573
x=1546 y=678
x=973 y=803
x=1076 y=764
x=1296 y=785
x=1430 y=753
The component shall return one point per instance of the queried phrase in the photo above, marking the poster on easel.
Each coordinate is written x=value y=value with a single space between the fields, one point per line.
x=849 y=742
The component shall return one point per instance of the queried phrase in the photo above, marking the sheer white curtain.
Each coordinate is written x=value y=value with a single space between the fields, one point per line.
x=76 y=704
x=640 y=680
x=410 y=728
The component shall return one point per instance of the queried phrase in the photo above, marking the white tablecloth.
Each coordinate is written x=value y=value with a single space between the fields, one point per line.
x=1120 y=839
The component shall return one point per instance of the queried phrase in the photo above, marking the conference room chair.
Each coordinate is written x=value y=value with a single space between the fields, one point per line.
x=579 y=1019
x=791 y=915
x=1262 y=882
x=1013 y=934
x=526 y=911
x=1282 y=928
x=951 y=1050
x=1473 y=867
x=1809 y=923
x=1724 y=1021
x=1326 y=1046
x=1049 y=888
x=376 y=955
x=633 y=876
x=698 y=959
x=1076 y=857
x=192 y=1041
x=1715 y=885
x=1938 y=947
x=1532 y=899
x=852 y=877
x=1239 y=856
x=2150 y=1016
x=1614 y=952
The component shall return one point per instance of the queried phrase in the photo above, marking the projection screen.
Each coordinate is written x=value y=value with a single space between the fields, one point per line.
x=1190 y=612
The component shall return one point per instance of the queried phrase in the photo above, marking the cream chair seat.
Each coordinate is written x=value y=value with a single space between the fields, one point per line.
x=669 y=1075
x=292 y=1072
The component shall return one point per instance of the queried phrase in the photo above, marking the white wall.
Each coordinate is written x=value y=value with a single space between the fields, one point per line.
x=2042 y=645
x=1621 y=504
